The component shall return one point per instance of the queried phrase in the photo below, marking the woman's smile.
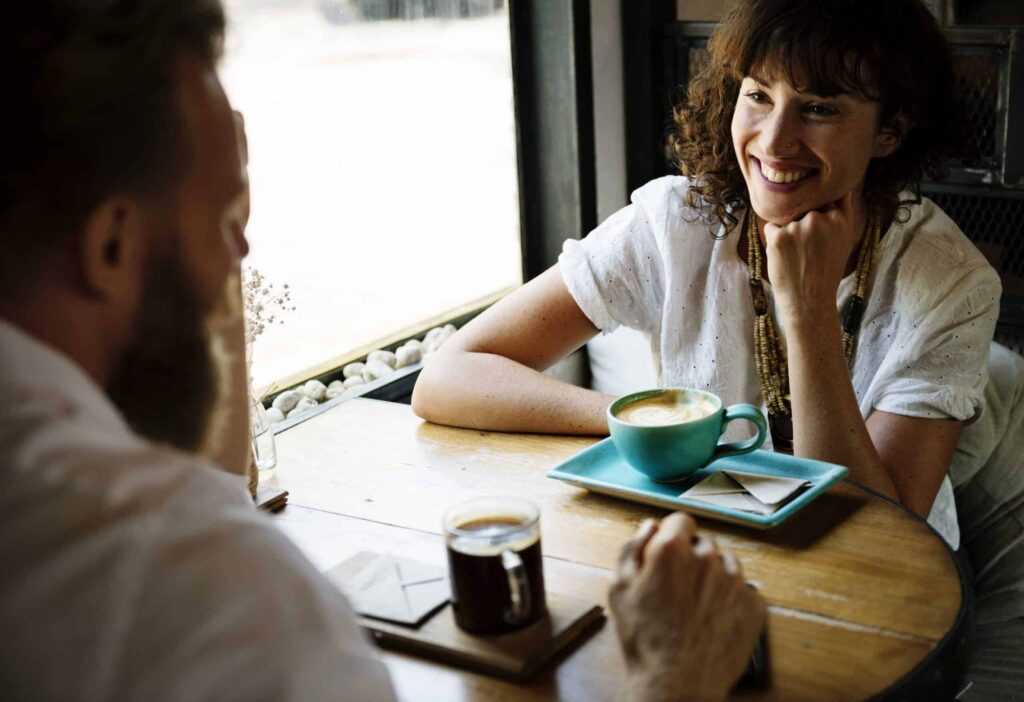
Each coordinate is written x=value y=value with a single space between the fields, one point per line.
x=782 y=177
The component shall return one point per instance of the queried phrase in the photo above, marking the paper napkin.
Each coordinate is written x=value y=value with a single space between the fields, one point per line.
x=748 y=492
x=396 y=589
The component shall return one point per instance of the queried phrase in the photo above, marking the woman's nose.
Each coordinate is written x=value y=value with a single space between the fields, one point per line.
x=780 y=136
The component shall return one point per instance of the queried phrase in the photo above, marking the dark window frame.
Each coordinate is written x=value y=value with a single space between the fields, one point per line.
x=551 y=77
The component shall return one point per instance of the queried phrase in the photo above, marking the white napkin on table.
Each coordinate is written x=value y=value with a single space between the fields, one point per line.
x=748 y=492
x=395 y=589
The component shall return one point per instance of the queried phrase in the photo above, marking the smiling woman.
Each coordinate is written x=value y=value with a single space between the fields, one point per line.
x=841 y=64
x=858 y=314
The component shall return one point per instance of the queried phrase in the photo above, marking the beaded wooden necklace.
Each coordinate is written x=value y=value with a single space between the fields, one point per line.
x=769 y=354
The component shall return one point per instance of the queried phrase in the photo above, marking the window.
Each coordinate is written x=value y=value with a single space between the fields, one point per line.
x=382 y=165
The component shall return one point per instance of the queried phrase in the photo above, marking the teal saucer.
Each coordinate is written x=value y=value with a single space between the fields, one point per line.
x=600 y=468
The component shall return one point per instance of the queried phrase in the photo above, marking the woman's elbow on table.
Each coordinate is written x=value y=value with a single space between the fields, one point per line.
x=432 y=398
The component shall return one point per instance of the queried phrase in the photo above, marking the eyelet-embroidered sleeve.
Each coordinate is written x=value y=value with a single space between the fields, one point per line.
x=937 y=364
x=616 y=273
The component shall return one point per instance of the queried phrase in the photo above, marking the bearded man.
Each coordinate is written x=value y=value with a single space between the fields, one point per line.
x=135 y=568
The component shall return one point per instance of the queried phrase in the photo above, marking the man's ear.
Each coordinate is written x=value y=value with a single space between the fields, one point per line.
x=891 y=135
x=111 y=249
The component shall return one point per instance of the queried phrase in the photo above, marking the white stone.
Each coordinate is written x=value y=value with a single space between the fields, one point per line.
x=426 y=357
x=384 y=356
x=336 y=385
x=274 y=415
x=353 y=381
x=450 y=328
x=333 y=392
x=407 y=355
x=304 y=405
x=287 y=400
x=413 y=343
x=436 y=343
x=376 y=369
x=314 y=390
x=352 y=370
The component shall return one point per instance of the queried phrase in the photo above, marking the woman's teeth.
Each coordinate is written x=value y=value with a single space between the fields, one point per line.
x=782 y=176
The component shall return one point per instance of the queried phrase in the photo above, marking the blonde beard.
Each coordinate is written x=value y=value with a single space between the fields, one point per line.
x=227 y=440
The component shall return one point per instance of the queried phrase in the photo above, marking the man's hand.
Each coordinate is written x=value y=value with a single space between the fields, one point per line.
x=808 y=257
x=686 y=619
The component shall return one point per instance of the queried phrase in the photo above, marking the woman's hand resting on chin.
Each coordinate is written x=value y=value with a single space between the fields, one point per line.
x=808 y=257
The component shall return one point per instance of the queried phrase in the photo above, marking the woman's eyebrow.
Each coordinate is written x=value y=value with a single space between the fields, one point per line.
x=765 y=81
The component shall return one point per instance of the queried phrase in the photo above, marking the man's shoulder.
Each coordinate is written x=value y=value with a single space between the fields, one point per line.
x=146 y=562
x=52 y=443
x=69 y=484
x=86 y=511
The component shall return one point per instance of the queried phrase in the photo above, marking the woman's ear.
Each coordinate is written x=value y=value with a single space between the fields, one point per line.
x=891 y=135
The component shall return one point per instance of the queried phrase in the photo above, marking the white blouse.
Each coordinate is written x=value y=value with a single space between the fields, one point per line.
x=657 y=267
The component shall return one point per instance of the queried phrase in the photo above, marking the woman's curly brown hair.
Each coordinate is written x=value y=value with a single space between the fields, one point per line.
x=889 y=51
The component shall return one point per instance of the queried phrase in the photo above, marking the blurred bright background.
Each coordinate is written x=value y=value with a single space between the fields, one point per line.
x=382 y=163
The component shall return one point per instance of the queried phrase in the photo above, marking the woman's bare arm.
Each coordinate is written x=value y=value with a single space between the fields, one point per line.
x=902 y=457
x=489 y=374
x=916 y=452
x=905 y=458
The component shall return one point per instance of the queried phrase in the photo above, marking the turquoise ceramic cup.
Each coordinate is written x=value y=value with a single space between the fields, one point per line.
x=670 y=452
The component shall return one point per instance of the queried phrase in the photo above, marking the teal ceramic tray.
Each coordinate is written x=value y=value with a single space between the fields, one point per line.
x=600 y=468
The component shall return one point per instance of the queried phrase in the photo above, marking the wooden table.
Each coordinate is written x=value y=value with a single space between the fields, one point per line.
x=863 y=596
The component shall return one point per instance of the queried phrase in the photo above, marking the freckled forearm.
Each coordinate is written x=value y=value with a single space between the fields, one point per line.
x=487 y=391
x=827 y=422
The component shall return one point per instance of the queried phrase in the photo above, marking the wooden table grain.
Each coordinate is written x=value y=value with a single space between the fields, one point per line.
x=860 y=592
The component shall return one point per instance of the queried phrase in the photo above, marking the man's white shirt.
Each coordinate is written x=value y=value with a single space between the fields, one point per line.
x=134 y=571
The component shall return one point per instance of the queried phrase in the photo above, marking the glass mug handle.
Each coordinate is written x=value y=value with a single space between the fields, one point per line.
x=518 y=587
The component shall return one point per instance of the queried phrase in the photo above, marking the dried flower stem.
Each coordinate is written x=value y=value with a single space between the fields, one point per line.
x=264 y=306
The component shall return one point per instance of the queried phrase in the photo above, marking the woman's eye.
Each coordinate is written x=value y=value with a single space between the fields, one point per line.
x=757 y=97
x=818 y=110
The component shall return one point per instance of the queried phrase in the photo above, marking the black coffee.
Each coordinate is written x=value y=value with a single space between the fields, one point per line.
x=481 y=591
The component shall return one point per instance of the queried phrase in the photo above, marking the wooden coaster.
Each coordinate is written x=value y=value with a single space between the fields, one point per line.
x=271 y=499
x=515 y=656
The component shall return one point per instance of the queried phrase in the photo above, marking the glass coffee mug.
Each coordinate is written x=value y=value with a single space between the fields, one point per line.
x=495 y=565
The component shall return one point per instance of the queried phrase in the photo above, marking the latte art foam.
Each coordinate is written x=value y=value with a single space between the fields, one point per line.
x=661 y=410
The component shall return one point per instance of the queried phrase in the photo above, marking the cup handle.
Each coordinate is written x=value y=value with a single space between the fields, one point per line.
x=735 y=448
x=518 y=587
